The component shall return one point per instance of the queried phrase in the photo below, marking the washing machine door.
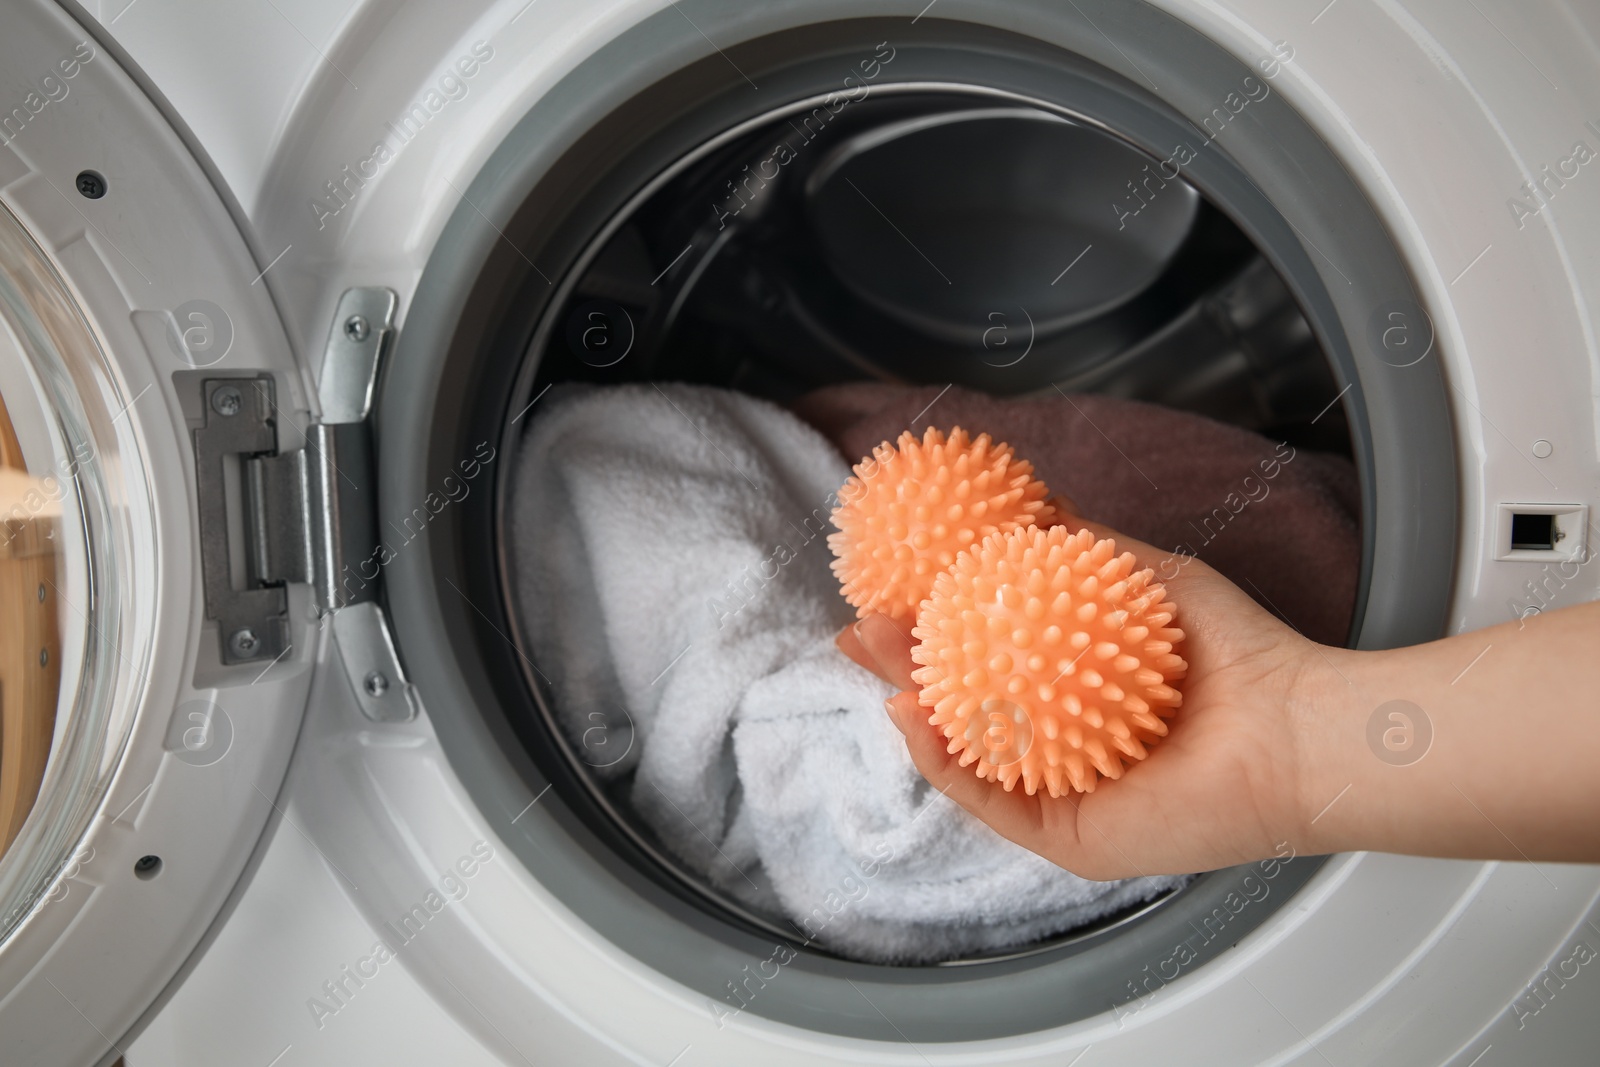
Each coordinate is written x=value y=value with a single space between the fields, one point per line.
x=157 y=620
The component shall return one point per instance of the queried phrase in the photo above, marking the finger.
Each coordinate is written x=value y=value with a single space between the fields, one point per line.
x=889 y=643
x=848 y=643
x=1065 y=508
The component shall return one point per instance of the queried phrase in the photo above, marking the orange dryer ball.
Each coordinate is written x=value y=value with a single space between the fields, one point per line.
x=1047 y=658
x=910 y=508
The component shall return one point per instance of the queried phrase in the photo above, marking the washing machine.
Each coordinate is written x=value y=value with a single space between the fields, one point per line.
x=282 y=282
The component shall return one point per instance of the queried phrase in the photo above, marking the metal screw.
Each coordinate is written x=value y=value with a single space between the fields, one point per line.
x=356 y=328
x=244 y=642
x=41 y=592
x=376 y=684
x=91 y=185
x=227 y=401
x=44 y=657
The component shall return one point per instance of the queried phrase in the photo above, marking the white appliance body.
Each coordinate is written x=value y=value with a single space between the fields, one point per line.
x=331 y=894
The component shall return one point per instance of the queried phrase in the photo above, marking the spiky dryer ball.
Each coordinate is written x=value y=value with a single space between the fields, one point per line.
x=910 y=508
x=1047 y=658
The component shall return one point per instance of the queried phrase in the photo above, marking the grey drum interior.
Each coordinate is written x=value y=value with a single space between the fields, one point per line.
x=1246 y=291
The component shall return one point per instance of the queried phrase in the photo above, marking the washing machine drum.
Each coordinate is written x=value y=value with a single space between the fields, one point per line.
x=920 y=212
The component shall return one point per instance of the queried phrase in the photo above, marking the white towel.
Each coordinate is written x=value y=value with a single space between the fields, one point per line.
x=672 y=578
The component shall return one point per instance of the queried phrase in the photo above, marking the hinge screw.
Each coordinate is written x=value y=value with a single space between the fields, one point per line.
x=376 y=684
x=227 y=401
x=356 y=328
x=90 y=184
x=244 y=642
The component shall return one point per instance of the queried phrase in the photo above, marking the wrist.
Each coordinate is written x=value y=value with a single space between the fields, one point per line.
x=1321 y=707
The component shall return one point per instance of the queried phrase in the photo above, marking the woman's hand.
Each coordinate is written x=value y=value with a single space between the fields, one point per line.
x=1223 y=787
x=1281 y=740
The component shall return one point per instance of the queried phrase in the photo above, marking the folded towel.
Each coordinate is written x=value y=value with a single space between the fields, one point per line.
x=672 y=580
x=1281 y=523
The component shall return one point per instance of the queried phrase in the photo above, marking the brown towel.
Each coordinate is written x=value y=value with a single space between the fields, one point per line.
x=1282 y=523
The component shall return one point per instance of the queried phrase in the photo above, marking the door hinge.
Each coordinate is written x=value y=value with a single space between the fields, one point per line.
x=304 y=515
x=307 y=515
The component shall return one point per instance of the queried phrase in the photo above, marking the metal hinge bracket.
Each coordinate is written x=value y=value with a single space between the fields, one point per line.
x=307 y=515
